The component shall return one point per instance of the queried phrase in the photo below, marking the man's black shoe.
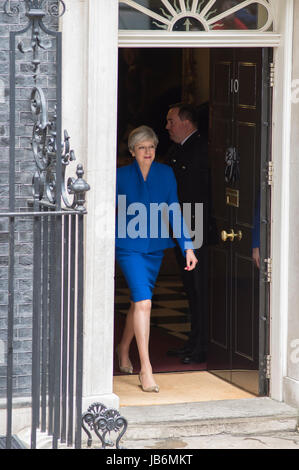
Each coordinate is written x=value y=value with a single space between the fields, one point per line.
x=184 y=351
x=190 y=359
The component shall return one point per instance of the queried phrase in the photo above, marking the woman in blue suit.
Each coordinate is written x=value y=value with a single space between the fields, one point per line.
x=142 y=187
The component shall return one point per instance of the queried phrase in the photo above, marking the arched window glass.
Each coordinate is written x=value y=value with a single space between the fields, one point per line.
x=195 y=15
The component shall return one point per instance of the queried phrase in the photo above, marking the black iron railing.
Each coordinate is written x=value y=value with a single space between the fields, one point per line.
x=57 y=325
x=56 y=212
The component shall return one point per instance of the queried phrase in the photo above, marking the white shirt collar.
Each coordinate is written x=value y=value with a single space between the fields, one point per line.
x=183 y=141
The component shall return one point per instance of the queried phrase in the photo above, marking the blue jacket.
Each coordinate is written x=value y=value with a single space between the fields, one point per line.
x=139 y=224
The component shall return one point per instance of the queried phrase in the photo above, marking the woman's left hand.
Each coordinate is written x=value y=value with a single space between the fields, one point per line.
x=191 y=260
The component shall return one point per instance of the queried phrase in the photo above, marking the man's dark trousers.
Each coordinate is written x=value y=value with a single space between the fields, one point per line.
x=190 y=163
x=196 y=287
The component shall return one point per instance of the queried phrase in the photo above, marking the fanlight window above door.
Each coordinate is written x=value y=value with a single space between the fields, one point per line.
x=195 y=15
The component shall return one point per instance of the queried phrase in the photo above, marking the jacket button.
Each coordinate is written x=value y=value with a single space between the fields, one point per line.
x=173 y=160
x=183 y=167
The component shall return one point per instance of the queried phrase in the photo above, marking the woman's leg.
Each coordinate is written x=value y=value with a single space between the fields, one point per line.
x=141 y=321
x=128 y=335
x=138 y=324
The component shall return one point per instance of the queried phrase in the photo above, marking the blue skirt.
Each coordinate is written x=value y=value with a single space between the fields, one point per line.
x=140 y=271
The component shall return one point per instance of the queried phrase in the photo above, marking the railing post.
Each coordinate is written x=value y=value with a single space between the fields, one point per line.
x=79 y=372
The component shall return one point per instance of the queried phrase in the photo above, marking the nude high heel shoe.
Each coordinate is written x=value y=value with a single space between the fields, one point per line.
x=125 y=369
x=153 y=388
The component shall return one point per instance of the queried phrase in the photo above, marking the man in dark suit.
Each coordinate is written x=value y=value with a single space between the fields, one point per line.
x=189 y=159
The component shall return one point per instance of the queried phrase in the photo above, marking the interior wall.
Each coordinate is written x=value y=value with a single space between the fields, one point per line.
x=149 y=81
x=202 y=73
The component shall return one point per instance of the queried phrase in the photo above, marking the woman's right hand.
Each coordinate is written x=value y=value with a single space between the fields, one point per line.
x=191 y=260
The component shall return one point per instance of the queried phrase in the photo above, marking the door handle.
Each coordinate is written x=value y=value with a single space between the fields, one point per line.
x=231 y=236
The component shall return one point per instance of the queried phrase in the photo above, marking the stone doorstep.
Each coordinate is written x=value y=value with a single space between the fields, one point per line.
x=247 y=416
x=248 y=426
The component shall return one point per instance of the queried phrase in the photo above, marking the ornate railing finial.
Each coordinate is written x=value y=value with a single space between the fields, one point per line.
x=79 y=188
x=44 y=147
x=56 y=8
x=51 y=154
x=12 y=9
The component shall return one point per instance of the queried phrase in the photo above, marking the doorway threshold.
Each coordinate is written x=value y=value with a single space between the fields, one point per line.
x=176 y=388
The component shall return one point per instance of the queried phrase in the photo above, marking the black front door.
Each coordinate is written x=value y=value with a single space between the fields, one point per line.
x=239 y=137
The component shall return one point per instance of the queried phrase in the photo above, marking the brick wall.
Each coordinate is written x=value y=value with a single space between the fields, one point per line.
x=24 y=170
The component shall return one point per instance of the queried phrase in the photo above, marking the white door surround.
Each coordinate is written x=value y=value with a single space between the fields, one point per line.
x=281 y=41
x=97 y=116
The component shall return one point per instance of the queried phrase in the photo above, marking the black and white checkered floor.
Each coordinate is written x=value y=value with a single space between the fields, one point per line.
x=169 y=306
